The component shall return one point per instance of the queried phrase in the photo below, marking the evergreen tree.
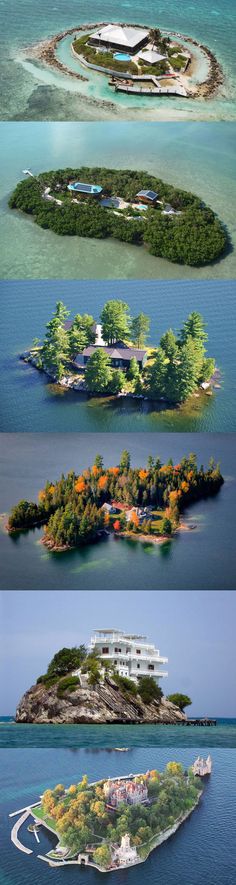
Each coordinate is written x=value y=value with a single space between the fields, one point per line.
x=139 y=329
x=98 y=372
x=115 y=321
x=194 y=327
x=124 y=461
x=55 y=350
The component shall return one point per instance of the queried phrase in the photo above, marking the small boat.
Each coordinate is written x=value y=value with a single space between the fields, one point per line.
x=121 y=749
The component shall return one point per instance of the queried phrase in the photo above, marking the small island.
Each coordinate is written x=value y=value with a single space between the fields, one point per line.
x=131 y=206
x=111 y=358
x=139 y=503
x=115 y=823
x=135 y=60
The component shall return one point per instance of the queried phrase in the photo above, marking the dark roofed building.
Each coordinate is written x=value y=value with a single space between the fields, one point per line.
x=148 y=197
x=120 y=355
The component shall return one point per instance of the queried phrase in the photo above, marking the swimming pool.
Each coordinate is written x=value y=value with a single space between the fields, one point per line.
x=122 y=56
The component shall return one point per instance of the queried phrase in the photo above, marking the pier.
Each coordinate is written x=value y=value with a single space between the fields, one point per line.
x=200 y=722
x=15 y=829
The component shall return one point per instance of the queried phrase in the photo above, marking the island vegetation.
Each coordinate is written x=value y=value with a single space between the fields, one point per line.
x=117 y=823
x=171 y=371
x=177 y=226
x=119 y=500
x=174 y=57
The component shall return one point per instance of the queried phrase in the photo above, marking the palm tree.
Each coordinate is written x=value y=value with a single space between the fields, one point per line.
x=155 y=36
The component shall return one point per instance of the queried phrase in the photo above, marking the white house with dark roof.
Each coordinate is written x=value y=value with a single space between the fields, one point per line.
x=132 y=654
x=124 y=38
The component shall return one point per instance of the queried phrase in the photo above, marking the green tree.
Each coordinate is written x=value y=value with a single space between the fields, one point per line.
x=140 y=326
x=98 y=372
x=168 y=344
x=81 y=333
x=56 y=350
x=115 y=321
x=180 y=700
x=194 y=327
x=65 y=660
x=133 y=370
x=149 y=690
x=124 y=461
x=117 y=381
x=102 y=856
x=155 y=375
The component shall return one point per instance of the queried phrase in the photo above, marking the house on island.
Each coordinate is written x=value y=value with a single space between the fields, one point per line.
x=132 y=655
x=125 y=791
x=148 y=197
x=117 y=507
x=119 y=354
x=123 y=39
x=84 y=189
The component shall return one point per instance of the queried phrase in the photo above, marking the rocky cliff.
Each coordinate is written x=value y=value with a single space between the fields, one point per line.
x=102 y=704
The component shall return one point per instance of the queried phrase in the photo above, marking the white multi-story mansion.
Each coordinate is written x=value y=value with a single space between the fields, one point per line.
x=132 y=655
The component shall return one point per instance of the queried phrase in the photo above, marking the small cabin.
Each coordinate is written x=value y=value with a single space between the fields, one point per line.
x=148 y=197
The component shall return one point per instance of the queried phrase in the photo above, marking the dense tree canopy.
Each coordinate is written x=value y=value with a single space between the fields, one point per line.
x=72 y=510
x=195 y=237
x=81 y=817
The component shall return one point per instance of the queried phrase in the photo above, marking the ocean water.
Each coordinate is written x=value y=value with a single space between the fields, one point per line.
x=196 y=156
x=204 y=558
x=29 y=401
x=203 y=850
x=30 y=91
x=96 y=737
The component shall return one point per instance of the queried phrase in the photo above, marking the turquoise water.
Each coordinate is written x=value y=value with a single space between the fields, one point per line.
x=203 y=850
x=122 y=56
x=196 y=156
x=29 y=401
x=204 y=558
x=33 y=92
x=98 y=736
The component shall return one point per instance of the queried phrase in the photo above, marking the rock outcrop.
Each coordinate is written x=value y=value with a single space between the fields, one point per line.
x=102 y=704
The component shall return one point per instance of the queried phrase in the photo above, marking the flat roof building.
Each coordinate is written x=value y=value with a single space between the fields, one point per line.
x=89 y=190
x=118 y=37
x=132 y=655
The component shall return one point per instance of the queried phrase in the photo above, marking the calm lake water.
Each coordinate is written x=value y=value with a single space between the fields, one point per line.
x=203 y=850
x=30 y=91
x=99 y=736
x=199 y=157
x=29 y=402
x=204 y=558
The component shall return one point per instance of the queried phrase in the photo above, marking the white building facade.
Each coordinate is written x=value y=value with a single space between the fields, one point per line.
x=132 y=655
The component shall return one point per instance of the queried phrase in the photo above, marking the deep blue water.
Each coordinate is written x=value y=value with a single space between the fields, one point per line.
x=203 y=850
x=97 y=736
x=30 y=403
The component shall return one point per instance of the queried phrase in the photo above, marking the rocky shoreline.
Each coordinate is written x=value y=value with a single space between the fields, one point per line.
x=106 y=705
x=45 y=51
